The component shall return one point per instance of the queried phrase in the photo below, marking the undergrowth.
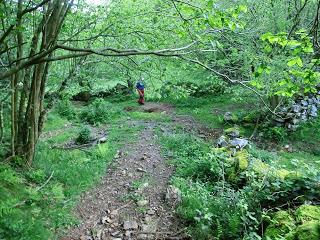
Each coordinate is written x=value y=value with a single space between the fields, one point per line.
x=233 y=201
x=36 y=203
x=100 y=111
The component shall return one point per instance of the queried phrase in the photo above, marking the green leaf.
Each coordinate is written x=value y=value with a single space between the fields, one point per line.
x=232 y=26
x=295 y=61
x=273 y=39
x=308 y=49
x=210 y=4
x=299 y=62
x=283 y=82
x=267 y=48
x=243 y=8
x=265 y=36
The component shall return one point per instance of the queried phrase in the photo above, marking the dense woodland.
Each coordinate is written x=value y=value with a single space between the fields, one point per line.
x=232 y=101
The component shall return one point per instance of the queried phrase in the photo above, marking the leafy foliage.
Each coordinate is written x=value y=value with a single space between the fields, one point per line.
x=99 y=111
x=85 y=135
x=295 y=58
x=65 y=109
x=232 y=202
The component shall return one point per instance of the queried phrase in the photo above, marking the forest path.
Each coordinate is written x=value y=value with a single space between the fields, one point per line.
x=131 y=201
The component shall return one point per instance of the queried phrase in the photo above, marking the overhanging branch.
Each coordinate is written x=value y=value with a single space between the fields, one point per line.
x=80 y=52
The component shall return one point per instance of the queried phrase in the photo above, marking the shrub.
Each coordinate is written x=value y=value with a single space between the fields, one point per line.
x=184 y=89
x=224 y=199
x=65 y=109
x=99 y=111
x=276 y=133
x=84 y=136
x=19 y=213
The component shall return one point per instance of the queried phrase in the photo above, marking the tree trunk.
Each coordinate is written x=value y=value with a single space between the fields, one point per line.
x=27 y=109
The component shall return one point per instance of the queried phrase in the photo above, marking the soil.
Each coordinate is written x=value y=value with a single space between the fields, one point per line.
x=134 y=199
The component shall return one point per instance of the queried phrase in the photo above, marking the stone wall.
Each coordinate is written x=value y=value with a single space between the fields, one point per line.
x=299 y=111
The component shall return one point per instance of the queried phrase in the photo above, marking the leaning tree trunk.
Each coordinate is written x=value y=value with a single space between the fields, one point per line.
x=35 y=109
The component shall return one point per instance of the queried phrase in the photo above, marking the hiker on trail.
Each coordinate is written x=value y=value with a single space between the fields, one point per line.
x=140 y=89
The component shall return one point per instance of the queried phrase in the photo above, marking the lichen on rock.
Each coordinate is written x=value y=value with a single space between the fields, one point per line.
x=242 y=159
x=232 y=132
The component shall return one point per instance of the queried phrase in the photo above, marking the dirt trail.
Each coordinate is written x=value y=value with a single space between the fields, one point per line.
x=131 y=202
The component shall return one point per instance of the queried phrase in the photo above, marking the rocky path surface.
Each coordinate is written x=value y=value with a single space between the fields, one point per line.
x=134 y=199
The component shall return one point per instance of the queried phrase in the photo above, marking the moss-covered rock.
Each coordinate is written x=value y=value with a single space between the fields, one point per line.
x=281 y=173
x=308 y=231
x=232 y=132
x=242 y=158
x=307 y=213
x=282 y=225
x=230 y=117
x=293 y=176
x=260 y=167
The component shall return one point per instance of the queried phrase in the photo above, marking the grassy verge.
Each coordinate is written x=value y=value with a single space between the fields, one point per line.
x=238 y=194
x=305 y=141
x=37 y=203
x=225 y=197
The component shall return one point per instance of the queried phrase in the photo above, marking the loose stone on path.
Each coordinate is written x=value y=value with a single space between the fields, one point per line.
x=115 y=210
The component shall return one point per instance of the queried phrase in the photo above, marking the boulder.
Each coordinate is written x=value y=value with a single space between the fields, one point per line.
x=304 y=103
x=239 y=142
x=229 y=117
x=222 y=141
x=102 y=140
x=296 y=108
x=313 y=111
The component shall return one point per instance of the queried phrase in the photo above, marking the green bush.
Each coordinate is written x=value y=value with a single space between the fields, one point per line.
x=185 y=89
x=36 y=176
x=216 y=213
x=19 y=209
x=232 y=197
x=276 y=133
x=65 y=109
x=100 y=111
x=84 y=136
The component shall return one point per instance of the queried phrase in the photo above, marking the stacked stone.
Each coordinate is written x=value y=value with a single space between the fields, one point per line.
x=299 y=111
x=232 y=139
